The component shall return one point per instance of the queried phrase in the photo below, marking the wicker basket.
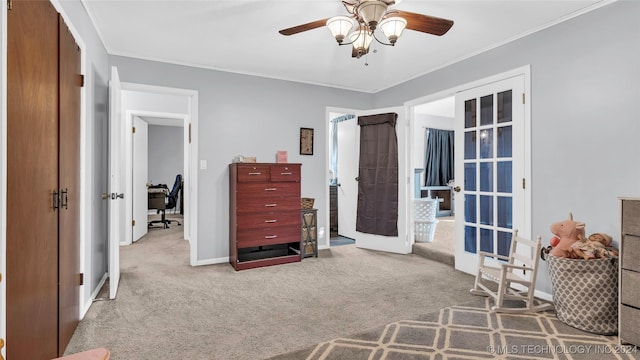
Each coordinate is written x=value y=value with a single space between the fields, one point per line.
x=307 y=203
x=585 y=293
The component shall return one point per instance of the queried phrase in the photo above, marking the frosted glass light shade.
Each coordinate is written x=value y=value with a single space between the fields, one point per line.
x=393 y=27
x=339 y=27
x=361 y=40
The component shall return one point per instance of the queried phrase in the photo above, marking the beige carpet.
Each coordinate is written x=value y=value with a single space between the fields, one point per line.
x=168 y=309
x=470 y=331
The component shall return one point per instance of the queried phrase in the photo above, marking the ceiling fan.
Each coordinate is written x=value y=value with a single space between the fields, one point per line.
x=365 y=16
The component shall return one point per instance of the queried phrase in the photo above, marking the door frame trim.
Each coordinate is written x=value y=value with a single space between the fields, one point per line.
x=520 y=71
x=183 y=119
x=190 y=154
x=327 y=164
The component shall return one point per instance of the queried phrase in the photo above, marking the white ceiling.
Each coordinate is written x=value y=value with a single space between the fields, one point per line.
x=242 y=36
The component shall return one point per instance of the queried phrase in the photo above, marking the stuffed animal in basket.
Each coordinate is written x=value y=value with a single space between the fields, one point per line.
x=596 y=246
x=566 y=234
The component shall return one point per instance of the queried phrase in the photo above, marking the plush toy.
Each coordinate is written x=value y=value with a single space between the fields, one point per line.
x=596 y=246
x=566 y=233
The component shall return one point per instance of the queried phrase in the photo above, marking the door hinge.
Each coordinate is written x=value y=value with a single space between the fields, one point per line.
x=81 y=80
x=134 y=129
x=523 y=97
x=523 y=184
x=133 y=223
x=9 y=4
x=81 y=278
x=189 y=133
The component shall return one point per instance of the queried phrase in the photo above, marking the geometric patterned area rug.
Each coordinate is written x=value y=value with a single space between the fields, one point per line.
x=471 y=331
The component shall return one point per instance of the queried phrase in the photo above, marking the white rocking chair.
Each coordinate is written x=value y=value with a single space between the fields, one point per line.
x=518 y=268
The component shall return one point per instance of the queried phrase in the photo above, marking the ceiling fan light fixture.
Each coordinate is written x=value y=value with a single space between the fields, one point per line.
x=340 y=27
x=393 y=27
x=371 y=12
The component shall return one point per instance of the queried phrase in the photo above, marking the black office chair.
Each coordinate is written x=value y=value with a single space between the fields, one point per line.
x=171 y=200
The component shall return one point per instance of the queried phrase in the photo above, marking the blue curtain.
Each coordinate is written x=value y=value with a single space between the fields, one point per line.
x=438 y=157
x=333 y=160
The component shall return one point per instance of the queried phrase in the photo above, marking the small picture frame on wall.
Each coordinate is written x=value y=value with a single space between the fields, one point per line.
x=306 y=141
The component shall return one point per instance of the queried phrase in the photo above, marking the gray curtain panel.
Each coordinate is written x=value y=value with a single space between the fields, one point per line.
x=378 y=175
x=438 y=157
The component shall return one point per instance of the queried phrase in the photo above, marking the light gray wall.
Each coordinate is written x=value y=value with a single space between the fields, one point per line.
x=585 y=126
x=246 y=115
x=97 y=125
x=166 y=154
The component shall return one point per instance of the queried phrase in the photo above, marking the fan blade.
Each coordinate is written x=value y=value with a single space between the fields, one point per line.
x=423 y=23
x=304 y=27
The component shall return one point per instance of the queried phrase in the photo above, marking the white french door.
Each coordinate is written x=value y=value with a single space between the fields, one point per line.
x=490 y=158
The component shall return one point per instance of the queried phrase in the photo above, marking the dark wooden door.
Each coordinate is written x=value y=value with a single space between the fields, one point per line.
x=32 y=177
x=69 y=182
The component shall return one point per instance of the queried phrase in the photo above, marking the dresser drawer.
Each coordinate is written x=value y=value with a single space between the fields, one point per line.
x=630 y=288
x=631 y=217
x=268 y=219
x=285 y=172
x=629 y=331
x=268 y=189
x=252 y=205
x=630 y=253
x=265 y=236
x=253 y=172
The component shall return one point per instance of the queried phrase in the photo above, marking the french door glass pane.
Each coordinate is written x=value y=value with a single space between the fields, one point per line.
x=504 y=180
x=486 y=210
x=505 y=106
x=488 y=173
x=486 y=110
x=470 y=144
x=470 y=208
x=470 y=239
x=470 y=113
x=486 y=240
x=486 y=143
x=504 y=243
x=486 y=176
x=470 y=176
x=505 y=146
x=505 y=210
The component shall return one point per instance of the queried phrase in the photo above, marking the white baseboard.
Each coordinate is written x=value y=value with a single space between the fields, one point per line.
x=221 y=260
x=543 y=295
x=85 y=307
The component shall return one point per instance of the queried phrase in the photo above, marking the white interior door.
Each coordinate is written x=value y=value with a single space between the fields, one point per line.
x=400 y=244
x=140 y=167
x=116 y=183
x=348 y=140
x=490 y=169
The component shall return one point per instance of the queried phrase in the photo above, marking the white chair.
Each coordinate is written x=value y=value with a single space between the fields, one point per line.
x=519 y=269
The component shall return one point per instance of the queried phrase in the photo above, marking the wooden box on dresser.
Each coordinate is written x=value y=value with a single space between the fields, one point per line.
x=629 y=276
x=264 y=214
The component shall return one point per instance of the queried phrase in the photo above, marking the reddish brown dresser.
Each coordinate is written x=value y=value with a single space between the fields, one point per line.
x=264 y=214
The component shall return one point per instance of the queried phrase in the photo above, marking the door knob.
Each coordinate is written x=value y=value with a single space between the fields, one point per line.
x=358 y=178
x=456 y=189
x=104 y=196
